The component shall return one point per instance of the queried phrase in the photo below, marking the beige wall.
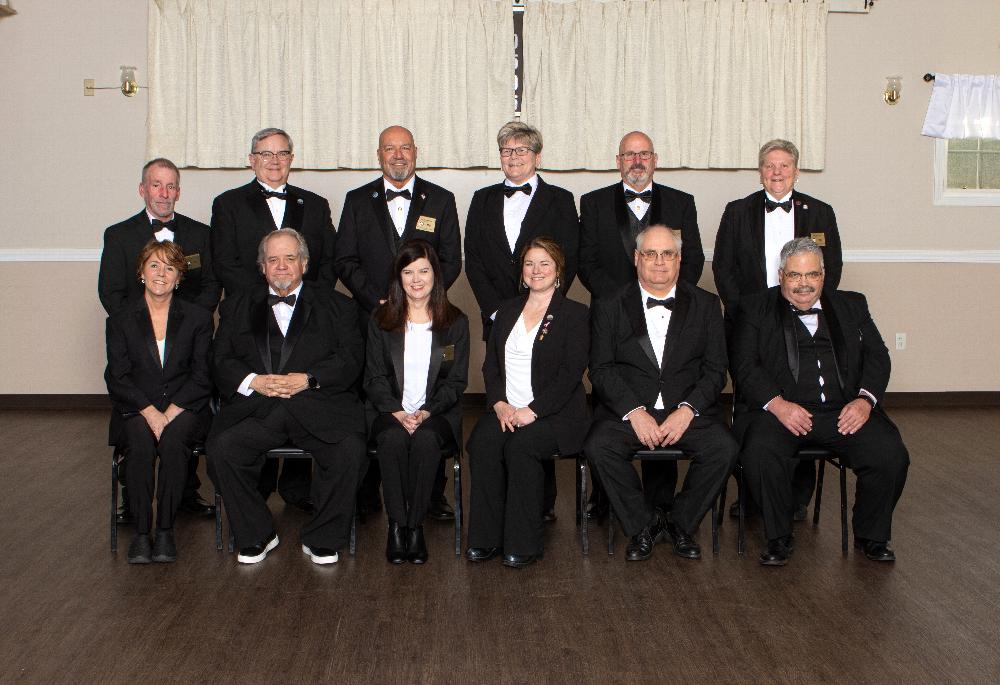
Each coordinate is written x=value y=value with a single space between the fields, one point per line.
x=70 y=167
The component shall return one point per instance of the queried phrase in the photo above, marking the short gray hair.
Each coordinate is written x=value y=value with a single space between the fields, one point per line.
x=267 y=133
x=799 y=246
x=673 y=231
x=262 y=248
x=778 y=144
x=519 y=130
x=160 y=162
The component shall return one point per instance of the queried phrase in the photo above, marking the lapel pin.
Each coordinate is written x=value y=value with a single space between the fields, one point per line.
x=422 y=196
x=300 y=201
x=549 y=317
x=375 y=195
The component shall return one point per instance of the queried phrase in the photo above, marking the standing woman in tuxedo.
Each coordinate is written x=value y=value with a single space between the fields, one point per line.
x=535 y=359
x=159 y=384
x=416 y=369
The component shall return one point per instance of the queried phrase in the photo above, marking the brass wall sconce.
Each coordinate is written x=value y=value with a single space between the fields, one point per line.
x=129 y=86
x=893 y=89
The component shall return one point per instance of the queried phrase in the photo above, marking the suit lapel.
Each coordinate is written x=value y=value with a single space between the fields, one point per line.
x=259 y=312
x=437 y=356
x=381 y=209
x=503 y=326
x=175 y=319
x=800 y=212
x=840 y=355
x=540 y=201
x=496 y=231
x=757 y=237
x=655 y=205
x=623 y=222
x=300 y=315
x=682 y=303
x=294 y=209
x=417 y=203
x=632 y=303
x=258 y=205
x=397 y=342
x=144 y=322
x=786 y=323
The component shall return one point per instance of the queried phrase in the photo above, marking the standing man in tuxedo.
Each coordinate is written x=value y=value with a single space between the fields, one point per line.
x=287 y=361
x=658 y=365
x=610 y=220
x=812 y=370
x=502 y=219
x=751 y=235
x=117 y=285
x=241 y=217
x=378 y=217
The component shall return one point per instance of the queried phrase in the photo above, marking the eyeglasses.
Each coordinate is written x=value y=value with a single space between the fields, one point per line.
x=796 y=276
x=668 y=255
x=517 y=151
x=267 y=155
x=644 y=155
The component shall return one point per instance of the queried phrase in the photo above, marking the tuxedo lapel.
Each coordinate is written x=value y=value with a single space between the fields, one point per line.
x=682 y=304
x=381 y=210
x=258 y=205
x=496 y=231
x=801 y=212
x=540 y=201
x=417 y=203
x=437 y=356
x=840 y=354
x=144 y=323
x=655 y=206
x=397 y=343
x=786 y=324
x=632 y=304
x=175 y=319
x=259 y=313
x=294 y=210
x=757 y=237
x=623 y=223
x=300 y=316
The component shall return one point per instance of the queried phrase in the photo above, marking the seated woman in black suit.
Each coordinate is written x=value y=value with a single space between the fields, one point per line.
x=416 y=369
x=159 y=383
x=535 y=359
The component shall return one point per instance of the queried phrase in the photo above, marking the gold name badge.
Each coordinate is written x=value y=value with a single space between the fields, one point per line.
x=819 y=238
x=448 y=353
x=426 y=223
x=193 y=260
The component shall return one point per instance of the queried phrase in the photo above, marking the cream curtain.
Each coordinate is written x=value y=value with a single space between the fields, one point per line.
x=333 y=73
x=709 y=80
x=964 y=106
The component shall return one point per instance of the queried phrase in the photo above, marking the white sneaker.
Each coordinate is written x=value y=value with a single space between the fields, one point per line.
x=321 y=555
x=251 y=555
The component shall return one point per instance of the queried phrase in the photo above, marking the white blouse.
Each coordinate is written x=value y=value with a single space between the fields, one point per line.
x=416 y=364
x=161 y=345
x=517 y=361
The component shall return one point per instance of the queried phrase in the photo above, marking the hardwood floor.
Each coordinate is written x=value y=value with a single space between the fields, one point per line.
x=74 y=613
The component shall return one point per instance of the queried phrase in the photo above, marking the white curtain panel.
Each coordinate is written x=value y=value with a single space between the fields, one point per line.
x=964 y=106
x=333 y=73
x=709 y=80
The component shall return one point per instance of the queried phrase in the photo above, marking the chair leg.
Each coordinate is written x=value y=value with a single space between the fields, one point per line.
x=458 y=505
x=611 y=530
x=353 y=544
x=843 y=509
x=719 y=518
x=218 y=521
x=581 y=497
x=819 y=491
x=741 y=540
x=114 y=502
x=232 y=538
x=715 y=522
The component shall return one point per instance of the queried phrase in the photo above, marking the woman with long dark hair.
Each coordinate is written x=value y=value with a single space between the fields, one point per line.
x=416 y=369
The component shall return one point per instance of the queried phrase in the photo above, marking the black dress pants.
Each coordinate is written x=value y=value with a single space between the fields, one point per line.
x=409 y=465
x=235 y=459
x=713 y=449
x=508 y=484
x=141 y=448
x=875 y=453
x=293 y=483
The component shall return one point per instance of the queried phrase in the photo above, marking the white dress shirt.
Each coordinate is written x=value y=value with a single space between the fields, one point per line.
x=517 y=363
x=276 y=204
x=283 y=314
x=164 y=233
x=161 y=347
x=638 y=207
x=657 y=324
x=416 y=364
x=514 y=209
x=779 y=228
x=399 y=207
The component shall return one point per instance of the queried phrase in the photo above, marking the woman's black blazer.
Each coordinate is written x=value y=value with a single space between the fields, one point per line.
x=559 y=357
x=134 y=375
x=447 y=376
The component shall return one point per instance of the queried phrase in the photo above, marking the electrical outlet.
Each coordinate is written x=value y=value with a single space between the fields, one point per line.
x=901 y=341
x=88 y=86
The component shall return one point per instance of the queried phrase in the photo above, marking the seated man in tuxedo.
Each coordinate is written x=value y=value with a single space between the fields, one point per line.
x=377 y=218
x=118 y=286
x=503 y=218
x=244 y=215
x=287 y=359
x=657 y=365
x=610 y=220
x=812 y=370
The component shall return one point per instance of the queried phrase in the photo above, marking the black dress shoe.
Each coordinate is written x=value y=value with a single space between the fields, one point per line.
x=196 y=506
x=684 y=545
x=777 y=552
x=549 y=515
x=164 y=549
x=305 y=504
x=416 y=547
x=875 y=550
x=640 y=547
x=440 y=510
x=801 y=513
x=256 y=553
x=140 y=550
x=481 y=553
x=520 y=560
x=395 y=545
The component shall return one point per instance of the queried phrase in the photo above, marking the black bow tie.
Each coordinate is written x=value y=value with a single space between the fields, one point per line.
x=510 y=190
x=156 y=224
x=653 y=302
x=391 y=195
x=273 y=299
x=770 y=205
x=273 y=193
x=806 y=312
x=646 y=196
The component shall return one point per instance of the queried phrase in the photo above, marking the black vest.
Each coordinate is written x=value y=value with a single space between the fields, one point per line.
x=635 y=225
x=816 y=359
x=275 y=340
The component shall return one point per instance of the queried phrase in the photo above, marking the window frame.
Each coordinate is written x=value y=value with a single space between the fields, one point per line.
x=957 y=197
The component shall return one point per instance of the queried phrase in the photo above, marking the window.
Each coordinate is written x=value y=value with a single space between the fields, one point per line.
x=967 y=172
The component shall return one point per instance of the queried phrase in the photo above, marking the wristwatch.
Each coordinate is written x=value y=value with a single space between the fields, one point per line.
x=313 y=383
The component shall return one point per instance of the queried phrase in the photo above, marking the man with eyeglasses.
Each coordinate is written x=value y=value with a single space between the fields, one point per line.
x=657 y=366
x=377 y=218
x=241 y=217
x=812 y=371
x=503 y=218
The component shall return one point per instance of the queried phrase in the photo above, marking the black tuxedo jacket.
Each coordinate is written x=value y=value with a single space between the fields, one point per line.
x=606 y=247
x=623 y=368
x=447 y=376
x=558 y=360
x=241 y=218
x=738 y=261
x=766 y=354
x=134 y=375
x=117 y=284
x=366 y=240
x=323 y=340
x=493 y=270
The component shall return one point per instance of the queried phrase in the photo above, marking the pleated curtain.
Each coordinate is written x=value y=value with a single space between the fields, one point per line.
x=964 y=106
